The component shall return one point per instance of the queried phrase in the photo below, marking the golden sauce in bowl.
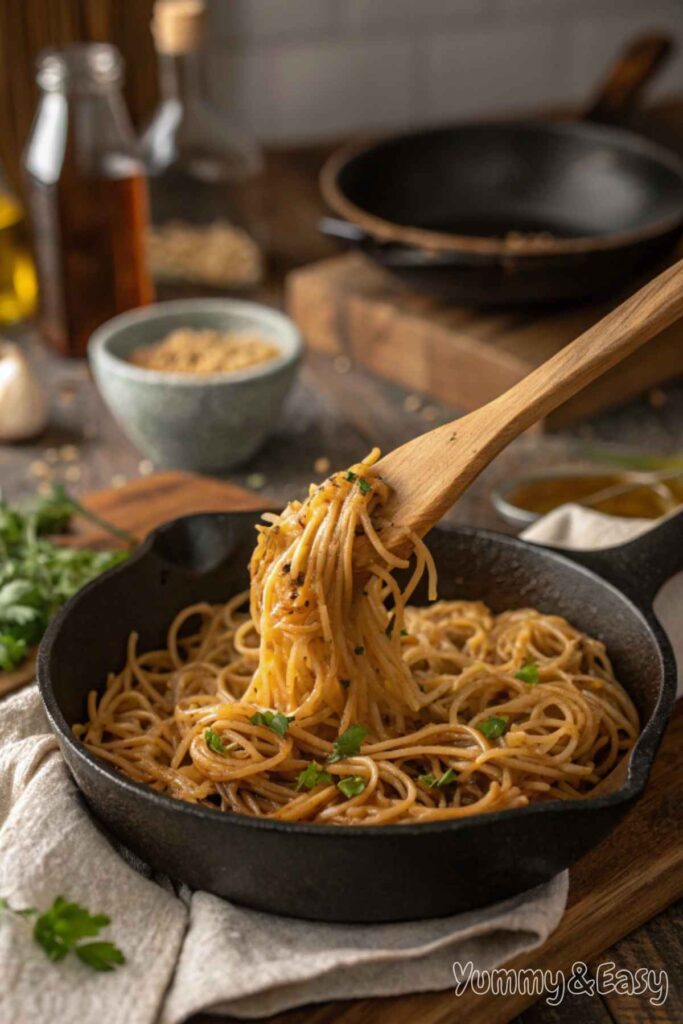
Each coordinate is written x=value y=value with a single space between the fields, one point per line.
x=630 y=495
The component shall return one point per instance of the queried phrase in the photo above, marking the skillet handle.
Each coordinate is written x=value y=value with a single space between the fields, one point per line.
x=619 y=93
x=641 y=566
x=342 y=230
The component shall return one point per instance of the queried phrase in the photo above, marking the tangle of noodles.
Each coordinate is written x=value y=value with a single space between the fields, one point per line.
x=322 y=695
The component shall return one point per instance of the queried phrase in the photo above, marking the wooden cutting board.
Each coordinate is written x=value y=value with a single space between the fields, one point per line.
x=349 y=306
x=625 y=881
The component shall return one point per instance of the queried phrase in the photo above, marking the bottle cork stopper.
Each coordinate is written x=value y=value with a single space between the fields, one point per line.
x=178 y=25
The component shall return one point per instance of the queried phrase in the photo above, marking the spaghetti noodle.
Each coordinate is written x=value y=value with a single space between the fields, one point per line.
x=322 y=695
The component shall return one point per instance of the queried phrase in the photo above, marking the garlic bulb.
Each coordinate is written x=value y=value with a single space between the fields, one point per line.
x=23 y=405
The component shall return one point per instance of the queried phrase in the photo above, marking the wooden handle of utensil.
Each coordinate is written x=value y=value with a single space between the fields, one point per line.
x=634 y=68
x=426 y=475
x=645 y=314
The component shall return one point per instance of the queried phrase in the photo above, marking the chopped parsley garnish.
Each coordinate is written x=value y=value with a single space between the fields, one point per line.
x=363 y=486
x=311 y=776
x=351 y=786
x=434 y=783
x=214 y=742
x=59 y=931
x=528 y=673
x=359 y=649
x=345 y=683
x=348 y=744
x=274 y=720
x=404 y=632
x=494 y=727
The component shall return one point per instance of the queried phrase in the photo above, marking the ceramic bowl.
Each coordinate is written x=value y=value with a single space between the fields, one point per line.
x=207 y=423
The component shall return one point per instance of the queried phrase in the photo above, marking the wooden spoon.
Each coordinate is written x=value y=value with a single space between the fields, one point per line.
x=427 y=474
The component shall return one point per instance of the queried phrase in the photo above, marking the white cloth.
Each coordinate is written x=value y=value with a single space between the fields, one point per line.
x=193 y=952
x=575 y=527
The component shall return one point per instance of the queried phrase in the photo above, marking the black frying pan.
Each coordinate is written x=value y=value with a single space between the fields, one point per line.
x=515 y=212
x=333 y=873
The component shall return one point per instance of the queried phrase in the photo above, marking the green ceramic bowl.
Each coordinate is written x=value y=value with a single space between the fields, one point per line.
x=204 y=423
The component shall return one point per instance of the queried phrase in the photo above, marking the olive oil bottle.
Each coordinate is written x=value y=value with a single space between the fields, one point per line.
x=18 y=286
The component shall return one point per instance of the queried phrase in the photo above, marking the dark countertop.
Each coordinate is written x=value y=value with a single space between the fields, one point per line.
x=338 y=412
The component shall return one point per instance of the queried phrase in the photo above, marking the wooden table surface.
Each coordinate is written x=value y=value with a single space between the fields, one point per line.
x=337 y=412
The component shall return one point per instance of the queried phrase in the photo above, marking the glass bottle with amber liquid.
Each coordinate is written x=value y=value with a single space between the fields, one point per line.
x=87 y=196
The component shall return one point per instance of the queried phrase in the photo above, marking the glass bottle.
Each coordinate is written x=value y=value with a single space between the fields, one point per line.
x=87 y=196
x=205 y=176
x=17 y=274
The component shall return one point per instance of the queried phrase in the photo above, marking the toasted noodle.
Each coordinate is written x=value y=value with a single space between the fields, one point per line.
x=322 y=695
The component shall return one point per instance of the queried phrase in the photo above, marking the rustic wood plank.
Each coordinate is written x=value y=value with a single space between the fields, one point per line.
x=348 y=306
x=658 y=947
x=144 y=504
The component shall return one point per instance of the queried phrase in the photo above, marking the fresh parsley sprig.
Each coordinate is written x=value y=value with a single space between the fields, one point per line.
x=312 y=775
x=348 y=744
x=273 y=720
x=59 y=930
x=38 y=576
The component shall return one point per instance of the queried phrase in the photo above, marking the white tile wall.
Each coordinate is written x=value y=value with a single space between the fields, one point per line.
x=252 y=20
x=600 y=38
x=469 y=72
x=306 y=69
x=411 y=14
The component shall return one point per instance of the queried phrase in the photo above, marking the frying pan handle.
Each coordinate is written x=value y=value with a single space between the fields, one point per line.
x=634 y=68
x=342 y=230
x=640 y=567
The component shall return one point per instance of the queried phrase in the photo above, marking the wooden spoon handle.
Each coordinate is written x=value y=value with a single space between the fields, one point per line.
x=427 y=474
x=647 y=313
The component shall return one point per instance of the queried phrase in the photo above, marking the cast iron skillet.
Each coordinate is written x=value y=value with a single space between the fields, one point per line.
x=589 y=205
x=387 y=873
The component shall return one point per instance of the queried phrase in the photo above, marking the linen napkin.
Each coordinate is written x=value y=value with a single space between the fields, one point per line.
x=576 y=527
x=192 y=952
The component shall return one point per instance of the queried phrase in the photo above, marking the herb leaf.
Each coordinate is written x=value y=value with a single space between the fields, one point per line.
x=494 y=726
x=528 y=673
x=350 y=476
x=359 y=649
x=311 y=776
x=351 y=786
x=101 y=956
x=214 y=742
x=348 y=744
x=363 y=486
x=59 y=929
x=434 y=783
x=273 y=720
x=37 y=576
x=12 y=651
